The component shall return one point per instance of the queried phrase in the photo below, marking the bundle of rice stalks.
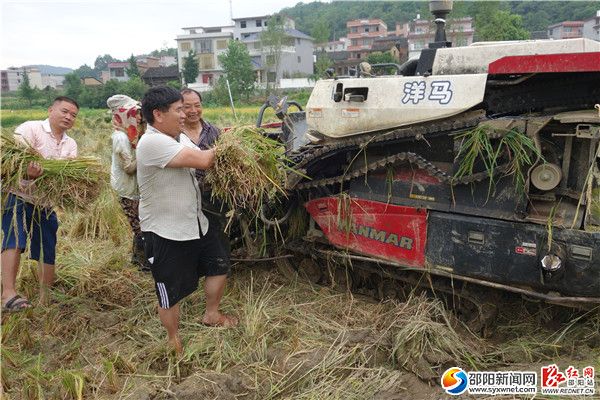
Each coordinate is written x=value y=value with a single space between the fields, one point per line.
x=66 y=184
x=249 y=168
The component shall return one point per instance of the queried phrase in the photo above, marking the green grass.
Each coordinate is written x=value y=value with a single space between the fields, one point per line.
x=219 y=116
x=12 y=118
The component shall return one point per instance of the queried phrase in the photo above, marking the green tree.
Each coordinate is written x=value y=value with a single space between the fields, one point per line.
x=378 y=57
x=165 y=51
x=219 y=94
x=85 y=70
x=191 y=68
x=110 y=88
x=133 y=70
x=537 y=21
x=101 y=63
x=323 y=62
x=49 y=93
x=26 y=92
x=92 y=97
x=73 y=86
x=537 y=15
x=174 y=84
x=135 y=88
x=502 y=25
x=272 y=40
x=320 y=32
x=237 y=64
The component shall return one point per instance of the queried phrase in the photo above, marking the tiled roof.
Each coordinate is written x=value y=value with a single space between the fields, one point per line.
x=567 y=23
x=248 y=18
x=338 y=55
x=297 y=34
x=390 y=38
x=255 y=36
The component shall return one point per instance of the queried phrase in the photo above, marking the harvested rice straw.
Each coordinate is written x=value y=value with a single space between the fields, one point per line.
x=249 y=168
x=66 y=184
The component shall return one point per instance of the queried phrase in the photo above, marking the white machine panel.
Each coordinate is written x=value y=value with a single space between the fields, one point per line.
x=477 y=57
x=390 y=102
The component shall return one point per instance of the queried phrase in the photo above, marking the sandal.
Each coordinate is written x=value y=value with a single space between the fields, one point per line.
x=225 y=321
x=16 y=304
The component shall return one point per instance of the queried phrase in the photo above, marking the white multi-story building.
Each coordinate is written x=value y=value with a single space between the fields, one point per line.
x=420 y=32
x=591 y=27
x=566 y=30
x=118 y=71
x=209 y=42
x=167 y=61
x=54 y=81
x=334 y=46
x=13 y=77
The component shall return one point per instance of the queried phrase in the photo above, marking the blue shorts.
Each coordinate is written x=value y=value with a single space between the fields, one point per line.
x=20 y=220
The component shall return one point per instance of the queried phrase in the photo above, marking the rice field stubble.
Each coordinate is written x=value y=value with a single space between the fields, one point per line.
x=101 y=337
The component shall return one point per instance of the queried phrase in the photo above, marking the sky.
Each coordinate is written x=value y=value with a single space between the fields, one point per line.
x=69 y=33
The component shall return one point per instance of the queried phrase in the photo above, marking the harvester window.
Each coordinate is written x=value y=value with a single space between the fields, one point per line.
x=358 y=94
x=338 y=92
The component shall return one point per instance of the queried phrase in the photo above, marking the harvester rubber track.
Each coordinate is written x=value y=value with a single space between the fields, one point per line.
x=310 y=152
x=408 y=157
x=421 y=132
x=507 y=100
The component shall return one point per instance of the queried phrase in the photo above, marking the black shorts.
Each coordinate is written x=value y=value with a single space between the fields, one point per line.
x=178 y=265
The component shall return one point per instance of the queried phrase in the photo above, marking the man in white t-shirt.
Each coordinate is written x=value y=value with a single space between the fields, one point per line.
x=176 y=232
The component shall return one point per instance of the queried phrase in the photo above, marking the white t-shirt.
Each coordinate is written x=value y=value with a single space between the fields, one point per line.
x=122 y=172
x=170 y=200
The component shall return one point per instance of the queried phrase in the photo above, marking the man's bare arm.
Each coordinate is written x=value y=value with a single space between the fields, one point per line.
x=192 y=158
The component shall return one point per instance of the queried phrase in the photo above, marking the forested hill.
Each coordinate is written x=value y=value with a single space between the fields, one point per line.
x=330 y=18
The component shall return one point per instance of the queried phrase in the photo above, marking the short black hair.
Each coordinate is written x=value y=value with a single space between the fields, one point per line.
x=66 y=99
x=158 y=98
x=188 y=90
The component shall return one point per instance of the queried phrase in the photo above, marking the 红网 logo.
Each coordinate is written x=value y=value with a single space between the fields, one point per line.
x=571 y=382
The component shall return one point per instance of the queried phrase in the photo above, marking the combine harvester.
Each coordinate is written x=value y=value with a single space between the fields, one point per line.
x=470 y=168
